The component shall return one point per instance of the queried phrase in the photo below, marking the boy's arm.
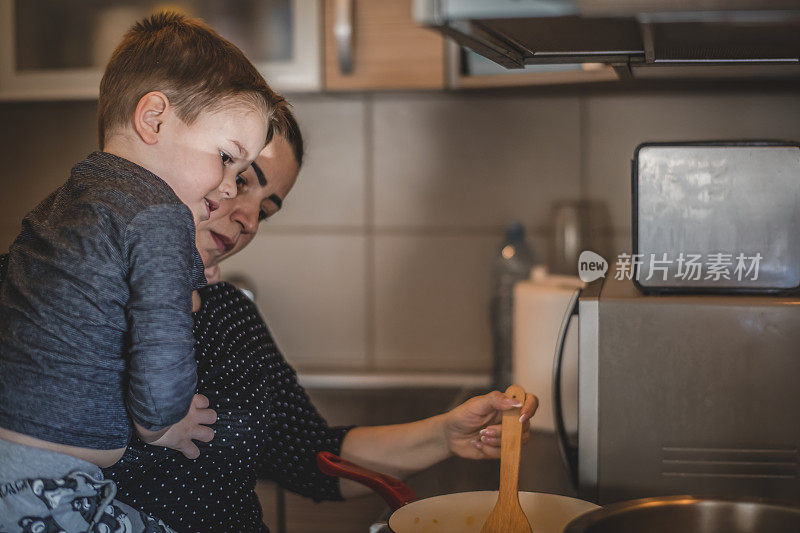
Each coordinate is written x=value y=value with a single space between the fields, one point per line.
x=149 y=437
x=162 y=274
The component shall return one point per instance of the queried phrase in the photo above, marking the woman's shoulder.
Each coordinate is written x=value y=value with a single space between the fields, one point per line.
x=223 y=292
x=223 y=302
x=231 y=334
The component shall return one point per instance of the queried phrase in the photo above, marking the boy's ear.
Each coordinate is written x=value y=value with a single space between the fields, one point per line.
x=151 y=111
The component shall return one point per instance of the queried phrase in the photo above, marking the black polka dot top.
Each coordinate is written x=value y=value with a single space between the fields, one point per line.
x=267 y=429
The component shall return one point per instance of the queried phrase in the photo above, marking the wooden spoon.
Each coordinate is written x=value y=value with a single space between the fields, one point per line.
x=507 y=515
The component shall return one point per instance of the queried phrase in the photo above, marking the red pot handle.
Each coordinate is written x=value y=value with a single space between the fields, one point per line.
x=393 y=491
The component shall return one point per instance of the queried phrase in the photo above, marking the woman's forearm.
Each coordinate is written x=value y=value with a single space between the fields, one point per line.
x=470 y=430
x=398 y=450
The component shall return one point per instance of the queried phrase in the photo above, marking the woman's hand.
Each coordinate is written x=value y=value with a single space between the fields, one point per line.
x=180 y=435
x=472 y=429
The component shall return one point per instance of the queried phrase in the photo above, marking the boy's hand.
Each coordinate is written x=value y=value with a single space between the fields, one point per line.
x=212 y=274
x=180 y=435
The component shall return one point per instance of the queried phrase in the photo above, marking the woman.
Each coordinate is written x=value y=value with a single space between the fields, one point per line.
x=267 y=427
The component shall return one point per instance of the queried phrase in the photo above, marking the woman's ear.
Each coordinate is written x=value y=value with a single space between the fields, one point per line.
x=151 y=111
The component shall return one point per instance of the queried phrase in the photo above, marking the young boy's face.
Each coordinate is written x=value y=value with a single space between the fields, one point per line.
x=200 y=161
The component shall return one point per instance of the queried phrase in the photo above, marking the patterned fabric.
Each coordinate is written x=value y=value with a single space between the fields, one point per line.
x=95 y=309
x=74 y=503
x=267 y=428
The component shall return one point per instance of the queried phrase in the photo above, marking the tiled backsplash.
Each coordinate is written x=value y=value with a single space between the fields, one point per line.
x=616 y=124
x=472 y=163
x=380 y=258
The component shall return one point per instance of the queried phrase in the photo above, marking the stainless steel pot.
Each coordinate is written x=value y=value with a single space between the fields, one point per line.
x=689 y=514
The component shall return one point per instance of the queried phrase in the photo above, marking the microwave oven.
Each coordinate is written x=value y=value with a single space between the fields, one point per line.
x=683 y=394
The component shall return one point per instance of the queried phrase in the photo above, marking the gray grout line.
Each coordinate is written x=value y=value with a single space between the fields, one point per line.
x=354 y=231
x=582 y=148
x=393 y=231
x=369 y=227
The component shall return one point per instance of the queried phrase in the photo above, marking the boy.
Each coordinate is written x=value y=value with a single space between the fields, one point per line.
x=95 y=311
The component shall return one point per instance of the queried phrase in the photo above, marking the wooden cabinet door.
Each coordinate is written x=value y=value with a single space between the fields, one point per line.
x=389 y=50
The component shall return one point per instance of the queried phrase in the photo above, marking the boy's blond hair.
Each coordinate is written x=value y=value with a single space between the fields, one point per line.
x=196 y=68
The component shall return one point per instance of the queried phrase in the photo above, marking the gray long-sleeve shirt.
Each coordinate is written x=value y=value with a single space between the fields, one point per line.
x=95 y=311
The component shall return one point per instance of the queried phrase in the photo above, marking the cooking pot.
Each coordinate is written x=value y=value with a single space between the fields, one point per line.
x=689 y=514
x=463 y=512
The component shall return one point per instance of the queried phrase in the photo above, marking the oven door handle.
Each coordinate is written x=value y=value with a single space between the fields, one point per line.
x=569 y=453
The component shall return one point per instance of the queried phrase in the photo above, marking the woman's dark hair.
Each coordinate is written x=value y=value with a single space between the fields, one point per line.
x=285 y=125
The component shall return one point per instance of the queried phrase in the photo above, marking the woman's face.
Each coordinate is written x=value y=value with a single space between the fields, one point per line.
x=261 y=192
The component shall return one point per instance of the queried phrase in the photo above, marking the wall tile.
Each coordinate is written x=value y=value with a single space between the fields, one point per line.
x=616 y=124
x=9 y=232
x=42 y=141
x=473 y=161
x=432 y=301
x=311 y=292
x=331 y=185
x=371 y=407
x=623 y=242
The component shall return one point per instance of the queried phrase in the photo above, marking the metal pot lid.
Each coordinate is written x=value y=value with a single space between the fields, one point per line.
x=689 y=514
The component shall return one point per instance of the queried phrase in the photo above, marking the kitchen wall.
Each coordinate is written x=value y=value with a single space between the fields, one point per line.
x=380 y=259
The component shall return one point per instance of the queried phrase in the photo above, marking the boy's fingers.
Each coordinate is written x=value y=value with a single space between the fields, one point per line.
x=203 y=434
x=191 y=451
x=206 y=416
x=200 y=401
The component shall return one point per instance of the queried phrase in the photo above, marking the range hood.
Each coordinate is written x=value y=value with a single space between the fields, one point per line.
x=639 y=38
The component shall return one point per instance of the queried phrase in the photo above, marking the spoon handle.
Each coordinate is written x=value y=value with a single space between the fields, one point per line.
x=510 y=447
x=507 y=515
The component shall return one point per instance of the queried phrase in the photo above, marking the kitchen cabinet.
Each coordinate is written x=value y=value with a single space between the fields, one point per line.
x=57 y=50
x=377 y=45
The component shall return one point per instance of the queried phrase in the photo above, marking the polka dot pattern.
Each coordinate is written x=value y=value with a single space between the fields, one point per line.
x=266 y=429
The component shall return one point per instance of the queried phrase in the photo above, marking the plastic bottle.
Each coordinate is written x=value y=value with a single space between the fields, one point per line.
x=512 y=263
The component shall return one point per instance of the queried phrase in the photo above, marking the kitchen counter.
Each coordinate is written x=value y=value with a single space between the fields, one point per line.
x=393 y=380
